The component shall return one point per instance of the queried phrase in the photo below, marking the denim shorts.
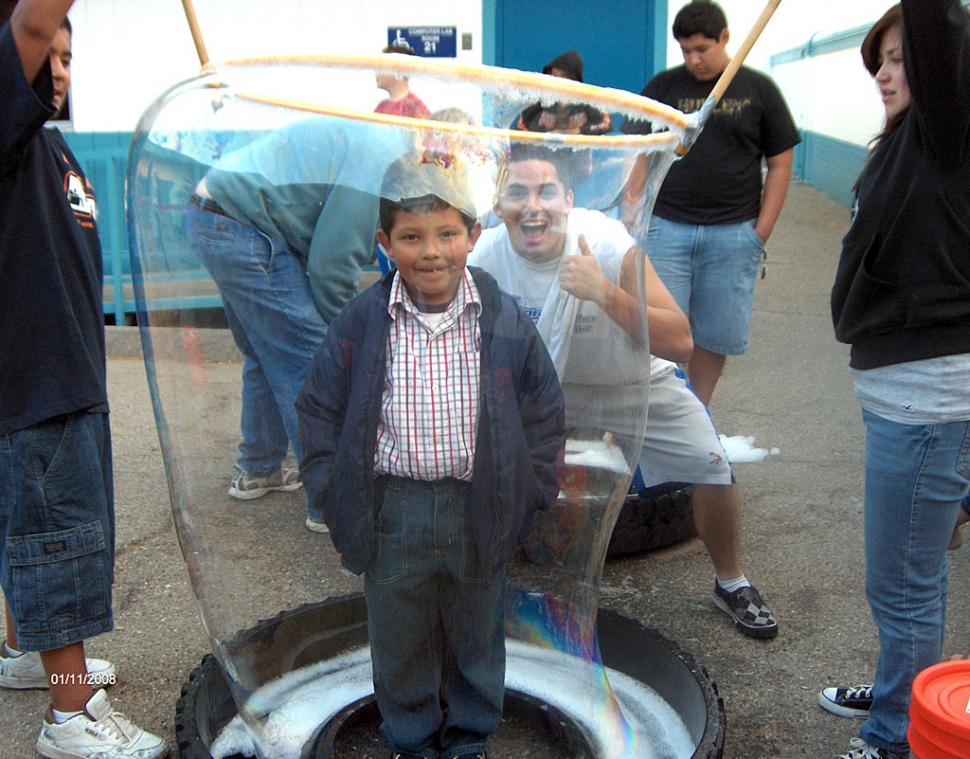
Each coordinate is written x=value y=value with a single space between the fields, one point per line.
x=57 y=517
x=710 y=269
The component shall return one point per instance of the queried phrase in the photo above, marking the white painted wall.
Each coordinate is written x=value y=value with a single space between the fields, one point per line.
x=128 y=52
x=832 y=95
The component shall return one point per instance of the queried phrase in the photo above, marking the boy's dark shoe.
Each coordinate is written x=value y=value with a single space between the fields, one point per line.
x=847 y=702
x=859 y=749
x=748 y=611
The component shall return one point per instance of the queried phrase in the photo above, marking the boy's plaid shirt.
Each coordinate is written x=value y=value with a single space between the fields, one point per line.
x=430 y=402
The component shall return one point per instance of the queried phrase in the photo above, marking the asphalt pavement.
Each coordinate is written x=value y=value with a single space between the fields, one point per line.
x=801 y=523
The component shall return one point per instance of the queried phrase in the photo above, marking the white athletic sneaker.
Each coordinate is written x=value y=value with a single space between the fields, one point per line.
x=246 y=486
x=26 y=671
x=98 y=732
x=315 y=526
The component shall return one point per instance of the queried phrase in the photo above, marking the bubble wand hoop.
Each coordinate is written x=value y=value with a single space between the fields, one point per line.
x=692 y=132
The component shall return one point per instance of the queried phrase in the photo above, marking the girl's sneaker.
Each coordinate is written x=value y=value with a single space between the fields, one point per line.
x=859 y=749
x=847 y=702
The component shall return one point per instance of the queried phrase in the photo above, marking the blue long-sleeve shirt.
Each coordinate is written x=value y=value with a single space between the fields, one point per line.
x=315 y=184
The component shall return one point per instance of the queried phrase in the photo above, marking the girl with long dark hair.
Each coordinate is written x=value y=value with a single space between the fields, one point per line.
x=901 y=299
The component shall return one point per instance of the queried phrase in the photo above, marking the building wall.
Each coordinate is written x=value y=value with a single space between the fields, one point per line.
x=835 y=104
x=128 y=52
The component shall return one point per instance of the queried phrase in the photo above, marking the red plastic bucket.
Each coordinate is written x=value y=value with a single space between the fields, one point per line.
x=939 y=712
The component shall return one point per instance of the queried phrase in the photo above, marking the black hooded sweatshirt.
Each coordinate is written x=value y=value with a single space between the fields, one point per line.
x=902 y=289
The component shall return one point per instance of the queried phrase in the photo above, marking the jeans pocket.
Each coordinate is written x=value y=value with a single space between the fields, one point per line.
x=59 y=578
x=390 y=558
x=963 y=460
x=265 y=249
x=757 y=243
x=472 y=569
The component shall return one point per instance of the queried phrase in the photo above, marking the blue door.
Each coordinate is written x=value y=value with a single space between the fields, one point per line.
x=623 y=42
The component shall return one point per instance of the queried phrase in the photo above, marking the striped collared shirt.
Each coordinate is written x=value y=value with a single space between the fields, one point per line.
x=430 y=402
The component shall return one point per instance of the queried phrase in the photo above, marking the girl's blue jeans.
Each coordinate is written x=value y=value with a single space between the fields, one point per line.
x=916 y=478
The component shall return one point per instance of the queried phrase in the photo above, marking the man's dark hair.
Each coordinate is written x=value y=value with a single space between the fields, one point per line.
x=700 y=17
x=563 y=159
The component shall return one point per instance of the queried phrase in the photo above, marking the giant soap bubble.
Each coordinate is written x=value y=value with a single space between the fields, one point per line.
x=293 y=149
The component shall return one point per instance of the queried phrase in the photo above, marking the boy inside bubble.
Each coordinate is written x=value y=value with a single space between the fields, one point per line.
x=432 y=424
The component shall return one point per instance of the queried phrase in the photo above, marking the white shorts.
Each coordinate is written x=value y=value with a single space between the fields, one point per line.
x=680 y=443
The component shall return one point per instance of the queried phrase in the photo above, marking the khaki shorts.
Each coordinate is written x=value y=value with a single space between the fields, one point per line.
x=680 y=443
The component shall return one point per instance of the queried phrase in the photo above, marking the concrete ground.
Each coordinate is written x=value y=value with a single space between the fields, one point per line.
x=802 y=526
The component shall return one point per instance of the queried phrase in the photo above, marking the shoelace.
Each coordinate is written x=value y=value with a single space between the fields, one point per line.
x=859 y=749
x=116 y=724
x=859 y=691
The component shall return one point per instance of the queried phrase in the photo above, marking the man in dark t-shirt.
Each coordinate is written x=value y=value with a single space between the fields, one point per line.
x=712 y=219
x=709 y=226
x=56 y=492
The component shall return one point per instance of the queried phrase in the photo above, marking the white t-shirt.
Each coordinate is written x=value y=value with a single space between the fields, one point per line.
x=599 y=351
x=931 y=391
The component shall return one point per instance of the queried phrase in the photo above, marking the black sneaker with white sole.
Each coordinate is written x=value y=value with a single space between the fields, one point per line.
x=748 y=611
x=847 y=702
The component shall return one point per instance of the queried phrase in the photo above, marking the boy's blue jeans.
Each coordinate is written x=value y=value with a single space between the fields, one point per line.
x=916 y=477
x=436 y=622
x=274 y=322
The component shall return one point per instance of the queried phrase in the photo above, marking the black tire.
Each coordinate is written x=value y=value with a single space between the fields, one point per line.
x=204 y=708
x=206 y=705
x=654 y=518
x=687 y=687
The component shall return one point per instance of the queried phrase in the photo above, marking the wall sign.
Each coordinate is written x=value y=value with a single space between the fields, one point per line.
x=426 y=41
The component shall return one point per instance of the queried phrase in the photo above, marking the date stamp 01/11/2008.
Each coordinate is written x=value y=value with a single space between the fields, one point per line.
x=95 y=679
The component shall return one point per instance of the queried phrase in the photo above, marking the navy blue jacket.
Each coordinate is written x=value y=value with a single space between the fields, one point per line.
x=521 y=430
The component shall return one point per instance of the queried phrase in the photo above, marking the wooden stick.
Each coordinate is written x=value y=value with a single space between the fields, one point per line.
x=196 y=31
x=735 y=63
x=692 y=133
